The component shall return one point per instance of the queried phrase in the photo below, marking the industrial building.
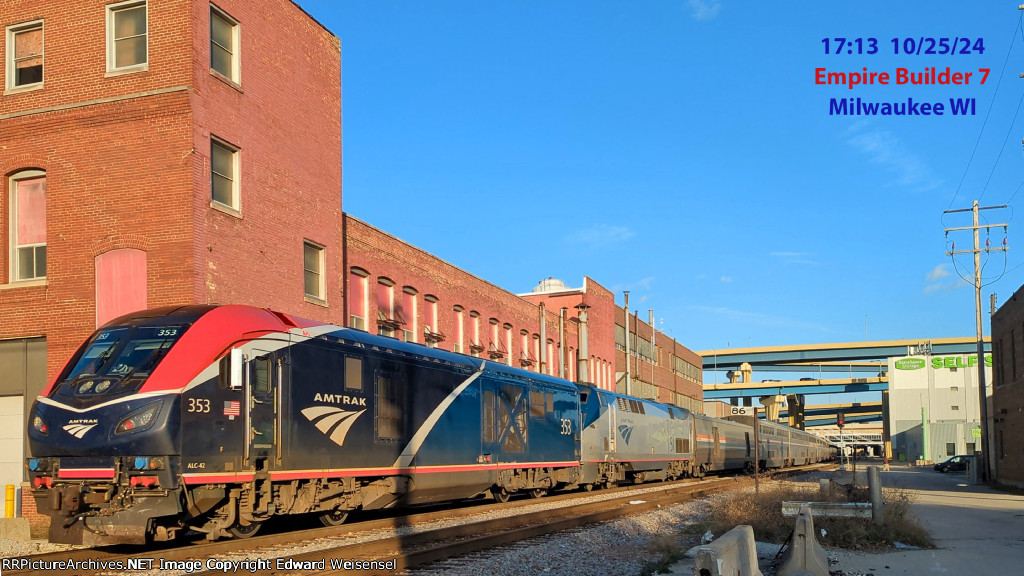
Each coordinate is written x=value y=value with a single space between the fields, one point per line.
x=933 y=406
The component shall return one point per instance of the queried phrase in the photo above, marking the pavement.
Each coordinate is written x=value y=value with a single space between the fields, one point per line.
x=976 y=530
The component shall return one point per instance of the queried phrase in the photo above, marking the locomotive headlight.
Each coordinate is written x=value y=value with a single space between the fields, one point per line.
x=86 y=387
x=39 y=426
x=138 y=420
x=103 y=386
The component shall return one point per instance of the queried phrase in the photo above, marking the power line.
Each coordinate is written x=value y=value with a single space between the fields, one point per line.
x=999 y=81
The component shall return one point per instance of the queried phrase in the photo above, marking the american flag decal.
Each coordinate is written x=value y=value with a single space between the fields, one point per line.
x=232 y=408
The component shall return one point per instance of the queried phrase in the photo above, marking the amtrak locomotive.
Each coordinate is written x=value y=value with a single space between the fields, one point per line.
x=216 y=418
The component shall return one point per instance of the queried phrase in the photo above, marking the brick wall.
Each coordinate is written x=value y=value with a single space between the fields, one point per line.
x=383 y=255
x=285 y=117
x=110 y=184
x=39 y=524
x=126 y=158
x=662 y=374
x=1007 y=444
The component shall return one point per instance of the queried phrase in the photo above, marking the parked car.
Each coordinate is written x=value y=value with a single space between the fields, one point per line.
x=955 y=463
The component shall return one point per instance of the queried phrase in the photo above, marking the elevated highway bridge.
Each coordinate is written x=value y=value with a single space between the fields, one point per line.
x=863 y=365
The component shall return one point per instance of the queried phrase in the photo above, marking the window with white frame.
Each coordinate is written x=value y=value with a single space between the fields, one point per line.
x=457 y=320
x=25 y=55
x=475 y=347
x=508 y=343
x=409 y=313
x=127 y=36
x=358 y=288
x=387 y=319
x=224 y=44
x=224 y=174
x=28 y=225
x=313 y=270
x=431 y=330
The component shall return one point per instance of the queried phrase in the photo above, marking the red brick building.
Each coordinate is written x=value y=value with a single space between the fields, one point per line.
x=399 y=290
x=182 y=151
x=155 y=153
x=1007 y=413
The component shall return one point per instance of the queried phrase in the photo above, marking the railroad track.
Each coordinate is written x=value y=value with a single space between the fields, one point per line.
x=408 y=541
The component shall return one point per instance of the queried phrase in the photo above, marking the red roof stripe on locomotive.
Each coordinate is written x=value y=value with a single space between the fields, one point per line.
x=201 y=345
x=85 y=473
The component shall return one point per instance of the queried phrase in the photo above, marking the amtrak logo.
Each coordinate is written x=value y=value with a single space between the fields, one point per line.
x=332 y=421
x=625 y=432
x=78 y=428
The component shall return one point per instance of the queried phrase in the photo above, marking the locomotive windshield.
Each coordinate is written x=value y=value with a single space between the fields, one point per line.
x=118 y=359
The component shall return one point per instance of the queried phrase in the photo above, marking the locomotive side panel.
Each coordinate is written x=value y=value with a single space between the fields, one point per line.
x=626 y=438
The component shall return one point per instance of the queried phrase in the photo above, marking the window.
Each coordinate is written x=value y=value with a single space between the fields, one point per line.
x=28 y=225
x=459 y=329
x=431 y=330
x=224 y=174
x=474 y=344
x=224 y=44
x=126 y=36
x=387 y=319
x=313 y=270
x=536 y=404
x=950 y=449
x=357 y=300
x=24 y=55
x=487 y=421
x=408 y=312
x=389 y=406
x=353 y=373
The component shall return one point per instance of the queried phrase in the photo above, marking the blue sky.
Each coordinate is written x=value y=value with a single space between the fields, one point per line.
x=682 y=151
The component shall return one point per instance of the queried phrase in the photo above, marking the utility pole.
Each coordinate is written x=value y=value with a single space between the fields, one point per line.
x=982 y=396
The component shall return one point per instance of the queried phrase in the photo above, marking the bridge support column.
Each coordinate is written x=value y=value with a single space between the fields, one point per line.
x=795 y=403
x=771 y=406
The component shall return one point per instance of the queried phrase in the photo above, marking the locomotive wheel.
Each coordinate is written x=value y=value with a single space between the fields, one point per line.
x=333 y=517
x=537 y=492
x=500 y=495
x=588 y=487
x=239 y=531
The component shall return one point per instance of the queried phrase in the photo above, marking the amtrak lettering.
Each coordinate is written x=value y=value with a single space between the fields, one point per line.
x=340 y=399
x=79 y=427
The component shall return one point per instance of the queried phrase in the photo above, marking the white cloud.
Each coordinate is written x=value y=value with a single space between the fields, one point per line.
x=727 y=279
x=704 y=9
x=940 y=278
x=939 y=272
x=888 y=151
x=600 y=235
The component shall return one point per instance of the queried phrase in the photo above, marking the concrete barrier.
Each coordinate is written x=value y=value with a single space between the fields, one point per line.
x=732 y=554
x=804 y=556
x=15 y=529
